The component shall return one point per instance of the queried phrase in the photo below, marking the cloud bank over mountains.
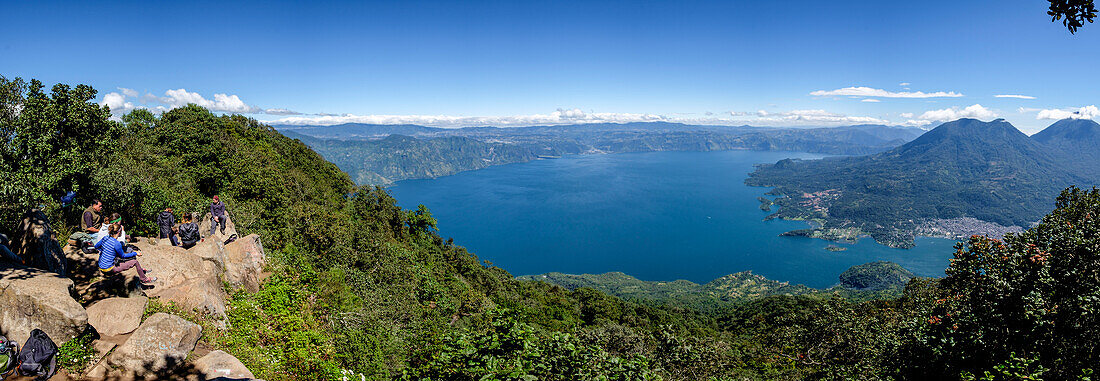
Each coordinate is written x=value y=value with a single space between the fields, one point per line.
x=125 y=100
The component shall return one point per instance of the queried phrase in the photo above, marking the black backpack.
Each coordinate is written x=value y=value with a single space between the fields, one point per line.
x=38 y=356
x=232 y=237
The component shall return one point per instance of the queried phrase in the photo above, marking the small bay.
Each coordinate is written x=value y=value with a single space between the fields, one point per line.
x=654 y=215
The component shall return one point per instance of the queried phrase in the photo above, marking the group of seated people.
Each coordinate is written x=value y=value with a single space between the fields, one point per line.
x=108 y=236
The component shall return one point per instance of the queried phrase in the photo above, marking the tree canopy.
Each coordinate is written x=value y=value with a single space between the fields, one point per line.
x=1073 y=13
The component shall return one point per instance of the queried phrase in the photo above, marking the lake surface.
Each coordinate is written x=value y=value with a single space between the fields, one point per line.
x=655 y=215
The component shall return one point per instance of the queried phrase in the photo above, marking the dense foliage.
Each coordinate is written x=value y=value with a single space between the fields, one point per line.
x=363 y=288
x=1072 y=13
x=876 y=276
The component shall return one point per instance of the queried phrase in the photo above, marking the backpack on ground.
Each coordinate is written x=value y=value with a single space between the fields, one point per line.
x=88 y=247
x=38 y=356
x=9 y=356
x=232 y=237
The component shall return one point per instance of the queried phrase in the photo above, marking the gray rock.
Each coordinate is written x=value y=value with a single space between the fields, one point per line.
x=184 y=277
x=34 y=298
x=116 y=316
x=219 y=364
x=161 y=341
x=35 y=242
x=244 y=262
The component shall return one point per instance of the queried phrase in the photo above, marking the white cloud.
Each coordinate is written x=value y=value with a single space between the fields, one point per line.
x=802 y=118
x=1017 y=96
x=872 y=100
x=222 y=102
x=976 y=111
x=120 y=103
x=131 y=93
x=117 y=103
x=906 y=115
x=916 y=123
x=1087 y=112
x=903 y=84
x=560 y=116
x=863 y=91
x=281 y=111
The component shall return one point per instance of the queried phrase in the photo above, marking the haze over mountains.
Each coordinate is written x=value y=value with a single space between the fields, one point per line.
x=372 y=154
x=988 y=171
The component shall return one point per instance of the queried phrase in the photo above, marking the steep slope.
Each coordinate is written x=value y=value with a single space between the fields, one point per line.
x=967 y=168
x=1076 y=142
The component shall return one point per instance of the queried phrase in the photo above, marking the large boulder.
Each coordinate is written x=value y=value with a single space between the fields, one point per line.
x=204 y=227
x=116 y=316
x=183 y=277
x=35 y=242
x=33 y=298
x=244 y=263
x=162 y=341
x=219 y=364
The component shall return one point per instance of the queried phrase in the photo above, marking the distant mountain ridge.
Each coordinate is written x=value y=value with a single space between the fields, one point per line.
x=1078 y=140
x=367 y=152
x=966 y=168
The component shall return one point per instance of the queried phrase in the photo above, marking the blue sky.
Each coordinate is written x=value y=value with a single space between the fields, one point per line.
x=515 y=62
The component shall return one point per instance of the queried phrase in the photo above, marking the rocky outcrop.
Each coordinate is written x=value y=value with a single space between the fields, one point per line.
x=219 y=364
x=204 y=227
x=34 y=298
x=116 y=316
x=183 y=277
x=35 y=242
x=244 y=262
x=162 y=341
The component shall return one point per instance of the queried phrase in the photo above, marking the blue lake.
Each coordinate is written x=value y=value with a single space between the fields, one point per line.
x=656 y=216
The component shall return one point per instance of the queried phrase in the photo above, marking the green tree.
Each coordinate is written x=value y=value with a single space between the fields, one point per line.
x=1031 y=299
x=1073 y=13
x=51 y=143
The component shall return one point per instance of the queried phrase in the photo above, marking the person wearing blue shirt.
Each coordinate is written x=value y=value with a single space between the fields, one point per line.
x=113 y=257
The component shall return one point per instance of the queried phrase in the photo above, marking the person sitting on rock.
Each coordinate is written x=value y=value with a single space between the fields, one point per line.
x=90 y=222
x=217 y=215
x=166 y=221
x=102 y=232
x=189 y=232
x=113 y=257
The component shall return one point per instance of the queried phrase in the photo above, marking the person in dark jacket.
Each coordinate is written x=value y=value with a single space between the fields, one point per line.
x=166 y=220
x=113 y=257
x=189 y=232
x=217 y=214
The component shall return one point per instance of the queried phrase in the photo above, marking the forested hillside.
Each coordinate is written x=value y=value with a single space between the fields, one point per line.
x=966 y=168
x=363 y=288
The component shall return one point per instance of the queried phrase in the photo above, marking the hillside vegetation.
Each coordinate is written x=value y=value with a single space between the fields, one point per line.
x=361 y=288
x=963 y=169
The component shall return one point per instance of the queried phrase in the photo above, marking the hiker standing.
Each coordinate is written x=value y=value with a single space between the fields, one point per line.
x=112 y=252
x=166 y=220
x=217 y=215
x=189 y=232
x=90 y=223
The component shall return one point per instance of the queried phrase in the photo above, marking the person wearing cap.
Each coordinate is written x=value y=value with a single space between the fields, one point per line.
x=113 y=257
x=166 y=221
x=217 y=215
